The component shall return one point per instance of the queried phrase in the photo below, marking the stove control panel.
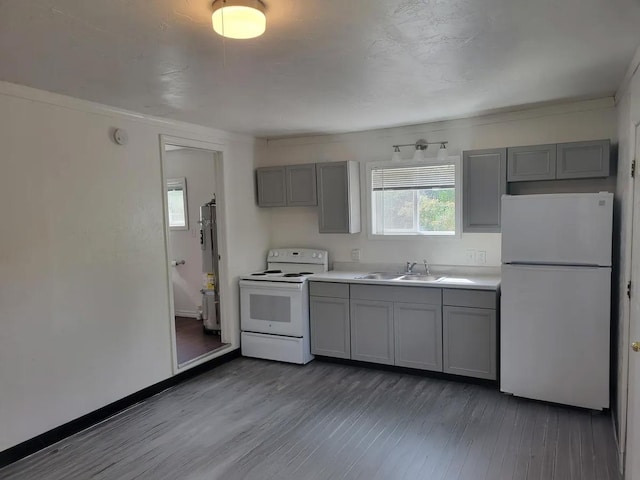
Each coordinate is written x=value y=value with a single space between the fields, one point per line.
x=298 y=255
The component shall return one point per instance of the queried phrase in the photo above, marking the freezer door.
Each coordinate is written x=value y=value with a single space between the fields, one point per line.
x=554 y=335
x=563 y=229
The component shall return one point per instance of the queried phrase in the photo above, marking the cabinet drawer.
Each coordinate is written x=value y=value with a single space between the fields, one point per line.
x=469 y=298
x=325 y=289
x=431 y=296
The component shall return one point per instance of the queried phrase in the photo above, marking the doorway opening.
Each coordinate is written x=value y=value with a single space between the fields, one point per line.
x=191 y=177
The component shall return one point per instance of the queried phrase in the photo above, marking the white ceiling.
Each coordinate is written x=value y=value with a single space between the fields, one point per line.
x=323 y=65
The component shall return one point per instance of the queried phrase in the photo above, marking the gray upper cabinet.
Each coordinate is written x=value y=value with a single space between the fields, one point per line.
x=301 y=185
x=583 y=159
x=330 y=328
x=418 y=336
x=271 y=187
x=338 y=197
x=372 y=331
x=536 y=162
x=484 y=183
x=291 y=186
x=469 y=341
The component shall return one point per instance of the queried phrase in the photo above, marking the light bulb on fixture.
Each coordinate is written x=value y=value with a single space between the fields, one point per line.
x=396 y=154
x=442 y=152
x=418 y=156
x=239 y=19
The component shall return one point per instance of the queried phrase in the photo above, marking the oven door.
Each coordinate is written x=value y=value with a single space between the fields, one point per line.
x=278 y=308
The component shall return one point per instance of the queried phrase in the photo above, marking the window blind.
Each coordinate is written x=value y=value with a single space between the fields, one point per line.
x=411 y=178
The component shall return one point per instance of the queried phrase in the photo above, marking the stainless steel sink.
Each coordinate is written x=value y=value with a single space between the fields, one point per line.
x=379 y=276
x=420 y=277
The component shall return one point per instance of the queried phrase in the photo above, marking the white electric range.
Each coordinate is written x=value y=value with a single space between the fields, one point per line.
x=274 y=305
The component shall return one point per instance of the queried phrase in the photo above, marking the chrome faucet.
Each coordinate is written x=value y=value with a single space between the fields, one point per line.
x=427 y=270
x=410 y=266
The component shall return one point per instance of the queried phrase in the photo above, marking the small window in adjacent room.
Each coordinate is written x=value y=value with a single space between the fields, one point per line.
x=177 y=203
x=414 y=199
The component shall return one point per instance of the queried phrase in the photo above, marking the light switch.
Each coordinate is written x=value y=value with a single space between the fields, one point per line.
x=482 y=257
x=355 y=254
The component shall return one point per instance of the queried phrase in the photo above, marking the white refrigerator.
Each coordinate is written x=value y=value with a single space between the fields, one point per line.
x=556 y=294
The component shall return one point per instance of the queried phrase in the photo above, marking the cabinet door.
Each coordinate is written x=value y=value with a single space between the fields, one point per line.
x=583 y=159
x=301 y=185
x=418 y=336
x=330 y=330
x=372 y=331
x=271 y=187
x=338 y=197
x=537 y=162
x=469 y=342
x=484 y=183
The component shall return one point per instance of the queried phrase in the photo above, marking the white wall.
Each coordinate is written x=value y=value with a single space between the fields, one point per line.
x=298 y=226
x=628 y=110
x=84 y=294
x=198 y=168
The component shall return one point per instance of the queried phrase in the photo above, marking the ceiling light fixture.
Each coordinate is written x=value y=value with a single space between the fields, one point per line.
x=396 y=154
x=240 y=19
x=442 y=152
x=420 y=146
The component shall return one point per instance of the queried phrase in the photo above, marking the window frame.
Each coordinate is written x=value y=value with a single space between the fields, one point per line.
x=455 y=160
x=182 y=183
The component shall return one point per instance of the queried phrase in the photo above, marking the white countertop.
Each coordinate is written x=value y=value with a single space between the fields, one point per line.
x=455 y=280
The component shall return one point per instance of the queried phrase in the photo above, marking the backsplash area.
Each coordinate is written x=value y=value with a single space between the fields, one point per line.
x=298 y=227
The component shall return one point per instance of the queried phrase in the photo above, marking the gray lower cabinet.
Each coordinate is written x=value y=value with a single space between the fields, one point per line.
x=537 y=162
x=583 y=159
x=418 y=336
x=301 y=185
x=330 y=327
x=338 y=186
x=271 y=187
x=372 y=331
x=484 y=183
x=469 y=340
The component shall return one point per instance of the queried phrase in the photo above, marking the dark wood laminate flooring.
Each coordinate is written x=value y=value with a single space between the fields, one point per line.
x=191 y=341
x=252 y=419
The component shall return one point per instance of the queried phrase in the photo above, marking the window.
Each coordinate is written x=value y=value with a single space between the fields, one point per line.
x=177 y=203
x=414 y=199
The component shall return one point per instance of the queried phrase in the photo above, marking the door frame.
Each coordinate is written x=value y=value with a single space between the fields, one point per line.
x=634 y=257
x=226 y=335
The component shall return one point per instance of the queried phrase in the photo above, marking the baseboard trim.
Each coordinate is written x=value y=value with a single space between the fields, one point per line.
x=186 y=313
x=35 y=444
x=411 y=371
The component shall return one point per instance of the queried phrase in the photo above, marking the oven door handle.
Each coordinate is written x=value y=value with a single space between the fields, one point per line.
x=266 y=285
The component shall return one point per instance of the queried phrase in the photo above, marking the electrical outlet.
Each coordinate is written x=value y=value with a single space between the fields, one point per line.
x=355 y=254
x=482 y=257
x=470 y=256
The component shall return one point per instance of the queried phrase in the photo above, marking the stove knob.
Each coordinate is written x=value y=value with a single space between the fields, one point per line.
x=314 y=255
x=276 y=254
x=319 y=255
x=271 y=254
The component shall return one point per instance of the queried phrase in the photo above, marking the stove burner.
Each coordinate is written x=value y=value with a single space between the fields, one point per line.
x=292 y=275
x=306 y=273
x=273 y=271
x=258 y=274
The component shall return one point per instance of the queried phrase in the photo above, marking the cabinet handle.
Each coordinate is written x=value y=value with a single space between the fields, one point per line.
x=635 y=346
